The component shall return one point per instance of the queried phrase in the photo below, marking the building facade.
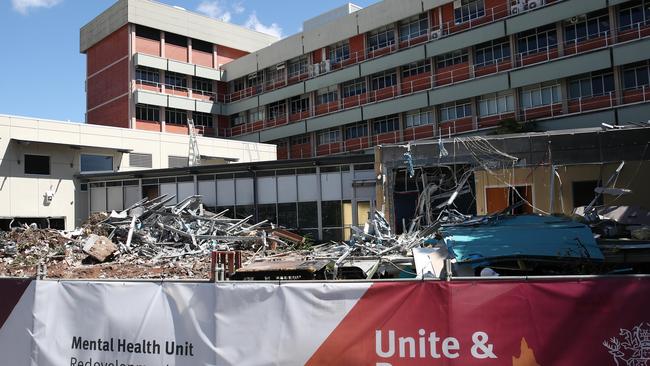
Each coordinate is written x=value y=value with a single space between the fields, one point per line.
x=42 y=161
x=396 y=71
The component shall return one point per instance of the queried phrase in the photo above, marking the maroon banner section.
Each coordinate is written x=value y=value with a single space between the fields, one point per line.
x=585 y=322
x=11 y=290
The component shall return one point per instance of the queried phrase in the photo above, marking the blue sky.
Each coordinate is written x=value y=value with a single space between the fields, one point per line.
x=42 y=71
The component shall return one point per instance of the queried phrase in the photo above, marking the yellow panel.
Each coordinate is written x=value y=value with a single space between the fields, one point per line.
x=362 y=212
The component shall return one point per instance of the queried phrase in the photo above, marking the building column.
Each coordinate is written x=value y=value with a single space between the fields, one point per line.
x=475 y=112
x=313 y=139
x=162 y=44
x=559 y=31
x=215 y=57
x=162 y=119
x=189 y=86
x=512 y=39
x=131 y=76
x=516 y=94
x=470 y=61
x=618 y=84
x=189 y=50
x=613 y=23
x=402 y=125
x=564 y=88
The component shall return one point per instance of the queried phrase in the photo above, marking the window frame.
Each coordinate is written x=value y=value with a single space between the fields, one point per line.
x=468 y=11
x=380 y=38
x=82 y=171
x=176 y=113
x=410 y=119
x=354 y=87
x=489 y=48
x=496 y=100
x=385 y=124
x=452 y=58
x=446 y=109
x=421 y=21
x=330 y=136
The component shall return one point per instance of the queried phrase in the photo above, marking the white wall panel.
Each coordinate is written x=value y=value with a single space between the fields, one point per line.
x=346 y=184
x=170 y=190
x=225 y=192
x=266 y=190
x=97 y=199
x=331 y=186
x=208 y=192
x=244 y=191
x=287 y=190
x=185 y=189
x=365 y=193
x=131 y=195
x=114 y=199
x=307 y=188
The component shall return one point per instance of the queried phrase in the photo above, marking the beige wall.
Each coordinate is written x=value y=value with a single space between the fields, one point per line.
x=22 y=195
x=634 y=176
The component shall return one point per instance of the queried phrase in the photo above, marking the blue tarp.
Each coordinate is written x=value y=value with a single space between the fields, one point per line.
x=521 y=236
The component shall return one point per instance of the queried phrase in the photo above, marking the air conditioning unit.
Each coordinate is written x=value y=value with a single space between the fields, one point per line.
x=314 y=70
x=252 y=76
x=577 y=19
x=533 y=4
x=279 y=67
x=436 y=33
x=517 y=8
x=458 y=4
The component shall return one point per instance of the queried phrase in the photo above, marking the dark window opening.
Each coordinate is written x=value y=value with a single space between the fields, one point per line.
x=583 y=193
x=146 y=32
x=176 y=39
x=202 y=46
x=37 y=164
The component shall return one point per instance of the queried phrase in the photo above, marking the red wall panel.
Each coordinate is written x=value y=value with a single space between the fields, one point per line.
x=201 y=58
x=107 y=51
x=174 y=52
x=227 y=54
x=148 y=46
x=115 y=113
x=108 y=84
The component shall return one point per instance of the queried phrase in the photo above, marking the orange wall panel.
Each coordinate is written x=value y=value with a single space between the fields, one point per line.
x=175 y=52
x=227 y=54
x=201 y=58
x=180 y=129
x=148 y=46
x=115 y=114
x=107 y=51
x=148 y=125
x=357 y=45
x=108 y=84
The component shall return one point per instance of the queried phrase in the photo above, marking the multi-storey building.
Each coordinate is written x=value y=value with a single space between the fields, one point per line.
x=396 y=71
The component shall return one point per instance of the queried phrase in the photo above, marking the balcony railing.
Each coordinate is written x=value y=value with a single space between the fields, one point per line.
x=169 y=89
x=460 y=74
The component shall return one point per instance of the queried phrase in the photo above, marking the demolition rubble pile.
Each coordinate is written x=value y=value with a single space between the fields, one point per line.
x=156 y=239
x=150 y=239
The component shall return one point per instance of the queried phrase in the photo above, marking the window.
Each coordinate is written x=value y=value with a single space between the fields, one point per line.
x=175 y=80
x=492 y=52
x=175 y=116
x=590 y=85
x=96 y=163
x=419 y=118
x=300 y=140
x=451 y=58
x=202 y=119
x=383 y=80
x=636 y=76
x=297 y=66
x=329 y=136
x=385 y=124
x=37 y=164
x=468 y=10
x=238 y=119
x=537 y=40
x=277 y=110
x=201 y=84
x=238 y=85
x=332 y=213
x=267 y=212
x=307 y=215
x=380 y=38
x=145 y=112
x=497 y=103
x=638 y=12
x=299 y=104
x=256 y=114
x=353 y=87
x=287 y=215
x=416 y=68
x=146 y=32
x=593 y=26
x=340 y=51
x=413 y=27
x=137 y=160
x=540 y=95
x=147 y=75
x=254 y=79
x=275 y=74
x=455 y=110
x=201 y=46
x=177 y=161
x=356 y=130
x=327 y=95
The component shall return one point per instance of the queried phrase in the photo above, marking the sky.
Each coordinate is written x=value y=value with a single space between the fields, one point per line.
x=43 y=73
